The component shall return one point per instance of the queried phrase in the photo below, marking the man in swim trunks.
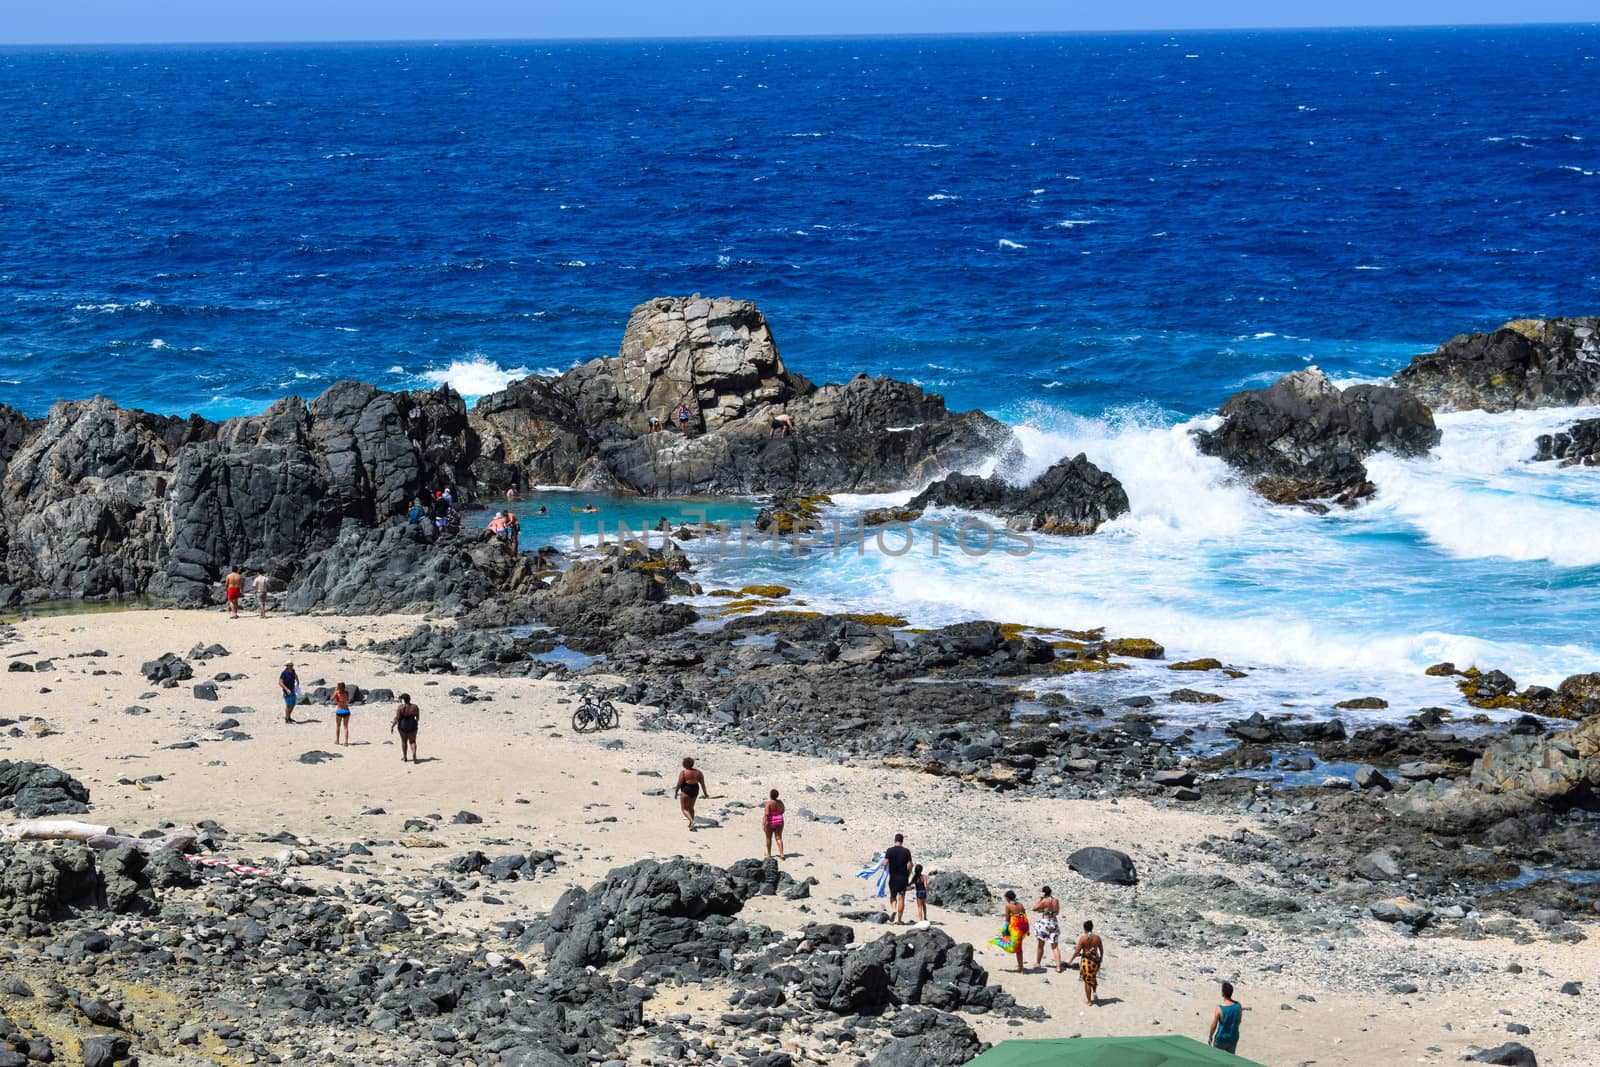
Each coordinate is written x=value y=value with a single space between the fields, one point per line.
x=289 y=682
x=897 y=858
x=261 y=584
x=783 y=422
x=235 y=586
x=1047 y=928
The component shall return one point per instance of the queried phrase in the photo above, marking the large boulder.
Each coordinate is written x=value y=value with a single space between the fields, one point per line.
x=1301 y=440
x=1073 y=497
x=1528 y=363
x=650 y=909
x=1104 y=865
x=923 y=967
x=33 y=790
x=718 y=358
x=926 y=1038
x=960 y=891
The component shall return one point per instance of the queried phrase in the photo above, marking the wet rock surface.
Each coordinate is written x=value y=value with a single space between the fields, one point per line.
x=1073 y=497
x=1301 y=440
x=1528 y=363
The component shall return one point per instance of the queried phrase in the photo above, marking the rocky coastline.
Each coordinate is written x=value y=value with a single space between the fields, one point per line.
x=1426 y=830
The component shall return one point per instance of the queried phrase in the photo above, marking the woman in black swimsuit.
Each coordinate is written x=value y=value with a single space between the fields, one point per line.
x=690 y=783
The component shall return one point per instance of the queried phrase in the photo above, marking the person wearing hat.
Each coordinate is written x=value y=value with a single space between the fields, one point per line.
x=289 y=682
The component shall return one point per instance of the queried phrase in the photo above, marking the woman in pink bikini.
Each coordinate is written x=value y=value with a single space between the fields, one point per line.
x=772 y=823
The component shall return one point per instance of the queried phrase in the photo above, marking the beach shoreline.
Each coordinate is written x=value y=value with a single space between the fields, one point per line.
x=491 y=755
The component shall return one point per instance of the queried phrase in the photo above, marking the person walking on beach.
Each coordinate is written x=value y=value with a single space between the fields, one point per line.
x=289 y=683
x=235 y=589
x=1090 y=952
x=261 y=584
x=1015 y=937
x=1047 y=933
x=1224 y=1032
x=691 y=783
x=341 y=714
x=406 y=718
x=919 y=887
x=772 y=823
x=897 y=861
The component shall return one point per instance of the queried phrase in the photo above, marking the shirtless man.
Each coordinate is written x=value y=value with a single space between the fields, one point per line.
x=783 y=422
x=260 y=585
x=235 y=585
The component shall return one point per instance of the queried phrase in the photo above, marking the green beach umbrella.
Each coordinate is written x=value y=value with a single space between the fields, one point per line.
x=1168 y=1051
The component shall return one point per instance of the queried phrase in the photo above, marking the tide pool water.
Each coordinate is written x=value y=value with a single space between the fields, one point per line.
x=1095 y=238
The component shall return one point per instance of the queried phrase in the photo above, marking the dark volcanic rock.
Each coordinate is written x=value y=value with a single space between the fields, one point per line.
x=1104 y=865
x=34 y=790
x=960 y=891
x=1302 y=439
x=1529 y=363
x=656 y=906
x=717 y=357
x=1510 y=1054
x=1578 y=443
x=99 y=501
x=170 y=667
x=925 y=1038
x=624 y=592
x=397 y=568
x=1073 y=497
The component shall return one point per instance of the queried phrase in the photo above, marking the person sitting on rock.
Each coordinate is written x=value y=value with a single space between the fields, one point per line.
x=781 y=422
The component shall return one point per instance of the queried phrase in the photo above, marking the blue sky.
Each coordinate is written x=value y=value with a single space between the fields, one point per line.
x=133 y=21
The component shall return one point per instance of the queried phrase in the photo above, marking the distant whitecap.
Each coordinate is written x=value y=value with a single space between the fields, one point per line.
x=1009 y=245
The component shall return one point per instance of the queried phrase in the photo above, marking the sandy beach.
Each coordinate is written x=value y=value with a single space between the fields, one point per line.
x=510 y=758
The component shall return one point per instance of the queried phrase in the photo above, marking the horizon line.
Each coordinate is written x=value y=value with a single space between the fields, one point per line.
x=823 y=36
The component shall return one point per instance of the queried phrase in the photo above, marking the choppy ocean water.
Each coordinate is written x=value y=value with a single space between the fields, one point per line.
x=1094 y=238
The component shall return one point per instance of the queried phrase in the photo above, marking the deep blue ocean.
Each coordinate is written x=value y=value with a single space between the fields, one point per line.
x=1097 y=238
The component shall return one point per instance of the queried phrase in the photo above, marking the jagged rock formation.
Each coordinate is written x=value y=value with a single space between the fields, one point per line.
x=99 y=501
x=1301 y=440
x=102 y=502
x=1516 y=775
x=1527 y=363
x=1073 y=497
x=1578 y=443
x=718 y=359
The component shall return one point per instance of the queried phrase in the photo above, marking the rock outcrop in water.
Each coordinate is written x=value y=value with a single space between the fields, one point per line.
x=717 y=357
x=1577 y=444
x=102 y=502
x=1073 y=497
x=1301 y=440
x=1528 y=363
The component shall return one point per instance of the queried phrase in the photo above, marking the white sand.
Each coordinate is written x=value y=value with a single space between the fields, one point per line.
x=486 y=757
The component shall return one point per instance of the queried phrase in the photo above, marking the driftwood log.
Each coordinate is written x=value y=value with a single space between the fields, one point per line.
x=96 y=837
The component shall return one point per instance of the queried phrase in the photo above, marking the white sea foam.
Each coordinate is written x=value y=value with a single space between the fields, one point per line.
x=943 y=196
x=1349 y=602
x=475 y=376
x=159 y=343
x=1068 y=224
x=1012 y=246
x=1479 y=496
